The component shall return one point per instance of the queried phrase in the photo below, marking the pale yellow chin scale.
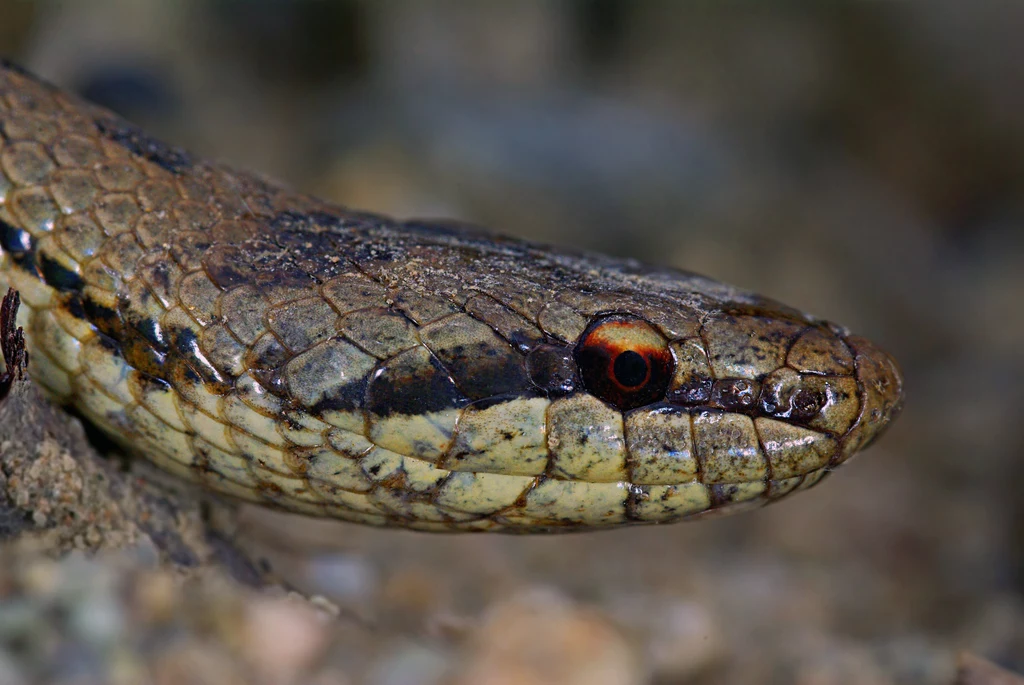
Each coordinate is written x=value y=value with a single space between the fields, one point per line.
x=425 y=436
x=740 y=458
x=793 y=451
x=506 y=438
x=586 y=440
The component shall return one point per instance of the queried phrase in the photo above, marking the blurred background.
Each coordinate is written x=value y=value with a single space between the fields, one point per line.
x=863 y=161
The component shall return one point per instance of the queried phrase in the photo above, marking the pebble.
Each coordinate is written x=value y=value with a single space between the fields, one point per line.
x=541 y=637
x=283 y=637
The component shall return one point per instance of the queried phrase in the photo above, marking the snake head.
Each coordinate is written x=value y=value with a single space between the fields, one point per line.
x=625 y=396
x=282 y=350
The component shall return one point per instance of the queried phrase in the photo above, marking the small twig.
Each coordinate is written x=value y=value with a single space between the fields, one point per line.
x=12 y=342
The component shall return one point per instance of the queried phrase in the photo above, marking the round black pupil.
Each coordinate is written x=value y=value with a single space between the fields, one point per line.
x=630 y=369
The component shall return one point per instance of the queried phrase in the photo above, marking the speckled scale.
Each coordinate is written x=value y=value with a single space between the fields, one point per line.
x=281 y=350
x=379 y=331
x=513 y=327
x=479 y=361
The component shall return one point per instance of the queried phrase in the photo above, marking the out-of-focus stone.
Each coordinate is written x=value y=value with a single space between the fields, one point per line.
x=196 y=663
x=540 y=637
x=973 y=670
x=112 y=619
x=283 y=638
x=155 y=597
x=682 y=638
x=345 y=577
x=409 y=663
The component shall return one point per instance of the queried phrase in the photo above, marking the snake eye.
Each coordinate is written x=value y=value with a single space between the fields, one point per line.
x=624 y=361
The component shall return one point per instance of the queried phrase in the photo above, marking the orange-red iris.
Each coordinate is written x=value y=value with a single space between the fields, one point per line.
x=624 y=361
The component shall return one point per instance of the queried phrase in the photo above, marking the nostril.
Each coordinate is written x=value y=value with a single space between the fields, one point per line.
x=806 y=403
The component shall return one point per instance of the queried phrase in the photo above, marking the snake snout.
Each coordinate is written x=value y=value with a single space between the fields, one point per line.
x=880 y=383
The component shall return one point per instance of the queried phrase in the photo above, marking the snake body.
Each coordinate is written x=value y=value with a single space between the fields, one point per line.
x=282 y=350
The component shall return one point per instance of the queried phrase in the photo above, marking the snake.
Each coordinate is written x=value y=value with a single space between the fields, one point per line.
x=281 y=350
